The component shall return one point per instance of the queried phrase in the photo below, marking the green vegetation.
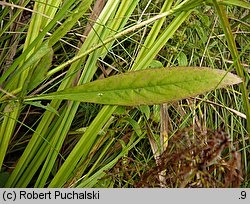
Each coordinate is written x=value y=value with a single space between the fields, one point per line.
x=63 y=125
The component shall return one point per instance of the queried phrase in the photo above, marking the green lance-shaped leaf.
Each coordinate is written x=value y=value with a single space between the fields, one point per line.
x=147 y=87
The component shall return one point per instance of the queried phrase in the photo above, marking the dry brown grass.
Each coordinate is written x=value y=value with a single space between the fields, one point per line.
x=193 y=158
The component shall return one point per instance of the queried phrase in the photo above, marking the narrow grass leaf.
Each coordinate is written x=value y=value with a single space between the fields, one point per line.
x=221 y=10
x=39 y=73
x=243 y=4
x=48 y=107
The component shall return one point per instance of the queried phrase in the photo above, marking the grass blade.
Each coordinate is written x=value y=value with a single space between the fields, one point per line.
x=235 y=55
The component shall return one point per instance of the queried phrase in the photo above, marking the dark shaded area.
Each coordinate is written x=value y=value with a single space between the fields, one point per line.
x=193 y=158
